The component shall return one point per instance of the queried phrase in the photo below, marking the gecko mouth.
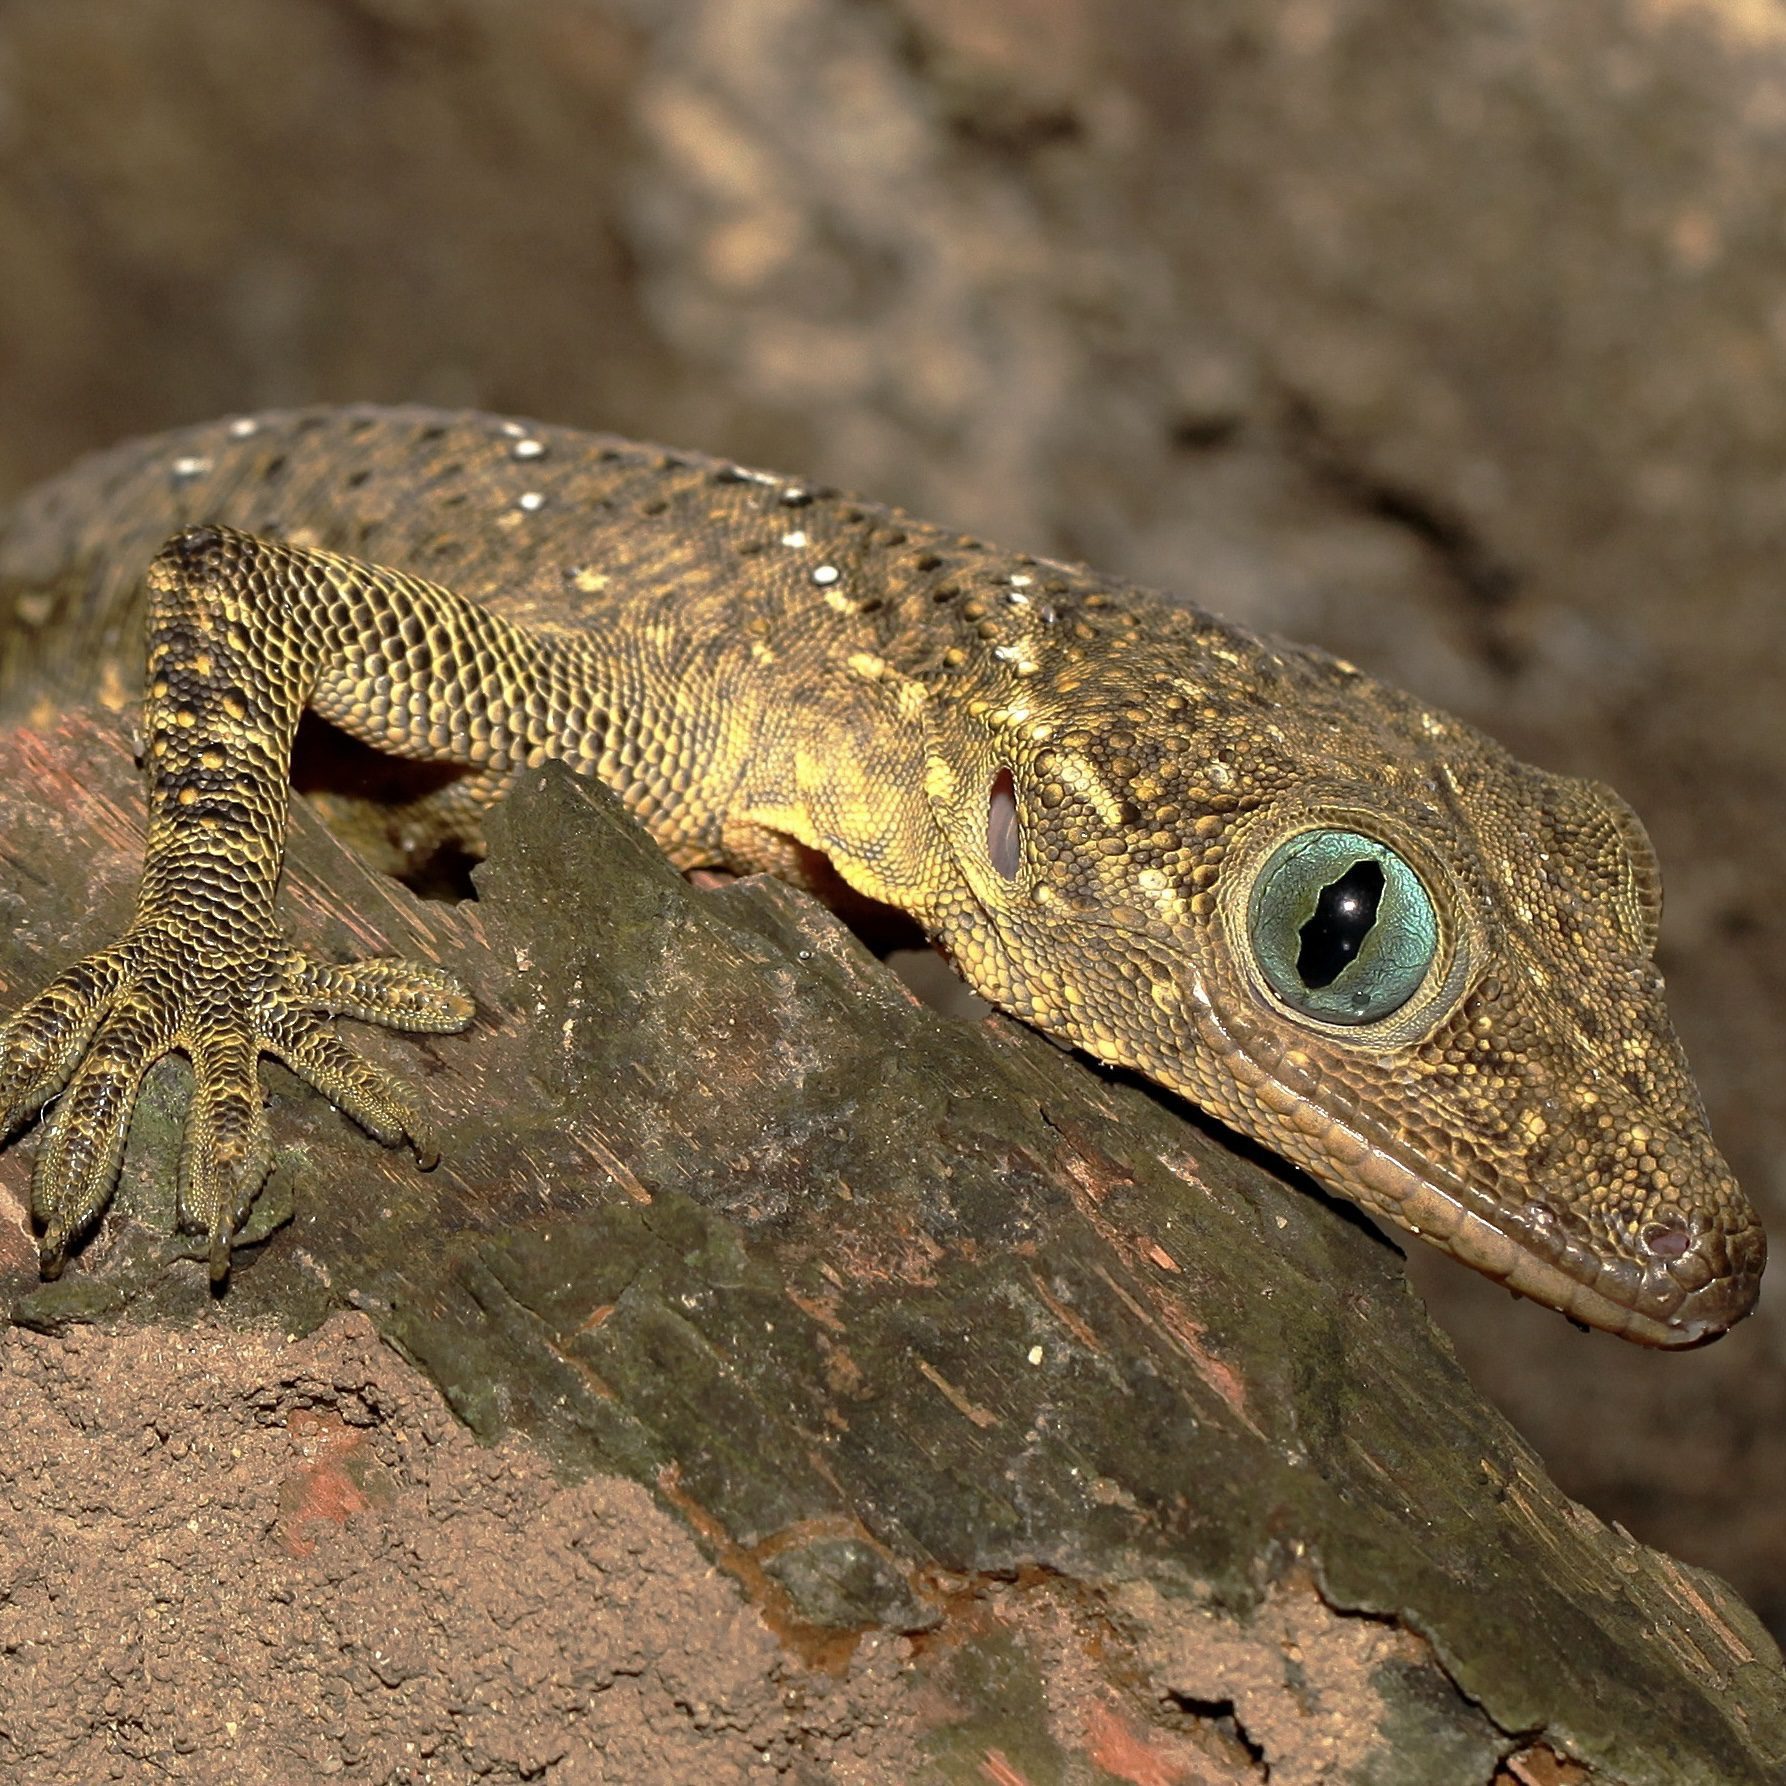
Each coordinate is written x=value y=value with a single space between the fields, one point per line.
x=1685 y=1295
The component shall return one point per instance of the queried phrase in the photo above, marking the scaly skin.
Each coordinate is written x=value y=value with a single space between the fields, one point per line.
x=1073 y=786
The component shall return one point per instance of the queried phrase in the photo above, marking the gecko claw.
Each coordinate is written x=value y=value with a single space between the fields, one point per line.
x=52 y=1253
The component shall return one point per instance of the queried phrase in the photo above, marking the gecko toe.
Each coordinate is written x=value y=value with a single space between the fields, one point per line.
x=84 y=1146
x=362 y=1091
x=388 y=990
x=42 y=1042
x=227 y=1150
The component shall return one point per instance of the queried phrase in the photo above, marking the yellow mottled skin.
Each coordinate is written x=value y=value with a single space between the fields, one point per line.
x=1073 y=786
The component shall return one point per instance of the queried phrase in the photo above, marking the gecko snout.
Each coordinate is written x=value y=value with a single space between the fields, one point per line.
x=1717 y=1305
x=1681 y=1244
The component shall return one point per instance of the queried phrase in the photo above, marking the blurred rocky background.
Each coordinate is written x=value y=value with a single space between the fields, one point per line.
x=1450 y=334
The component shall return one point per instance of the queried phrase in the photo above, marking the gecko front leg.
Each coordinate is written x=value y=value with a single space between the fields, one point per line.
x=242 y=635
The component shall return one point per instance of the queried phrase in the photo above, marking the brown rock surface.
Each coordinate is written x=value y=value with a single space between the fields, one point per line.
x=241 y=1558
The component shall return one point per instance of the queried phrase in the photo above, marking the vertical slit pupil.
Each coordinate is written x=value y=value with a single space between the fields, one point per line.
x=1004 y=839
x=1343 y=918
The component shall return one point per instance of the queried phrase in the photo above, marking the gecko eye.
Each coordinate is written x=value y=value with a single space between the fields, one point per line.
x=1341 y=927
x=1004 y=839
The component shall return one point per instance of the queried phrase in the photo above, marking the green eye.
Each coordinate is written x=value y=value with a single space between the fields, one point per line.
x=1341 y=927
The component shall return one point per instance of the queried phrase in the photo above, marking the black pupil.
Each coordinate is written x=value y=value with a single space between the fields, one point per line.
x=1343 y=918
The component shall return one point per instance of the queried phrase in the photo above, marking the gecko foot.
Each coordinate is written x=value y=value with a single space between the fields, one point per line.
x=94 y=1032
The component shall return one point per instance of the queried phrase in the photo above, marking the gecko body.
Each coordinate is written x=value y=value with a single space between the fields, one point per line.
x=1349 y=925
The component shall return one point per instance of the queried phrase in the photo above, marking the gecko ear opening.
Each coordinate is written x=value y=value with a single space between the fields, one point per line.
x=1004 y=837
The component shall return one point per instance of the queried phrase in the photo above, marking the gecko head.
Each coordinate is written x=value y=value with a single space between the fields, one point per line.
x=1364 y=934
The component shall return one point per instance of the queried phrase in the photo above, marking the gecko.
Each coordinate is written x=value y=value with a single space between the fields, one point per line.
x=1350 y=926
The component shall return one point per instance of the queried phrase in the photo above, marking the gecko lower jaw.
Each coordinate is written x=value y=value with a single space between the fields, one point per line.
x=1673 y=1304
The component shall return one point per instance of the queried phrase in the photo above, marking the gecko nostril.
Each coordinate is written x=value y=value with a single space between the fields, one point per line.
x=1667 y=1240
